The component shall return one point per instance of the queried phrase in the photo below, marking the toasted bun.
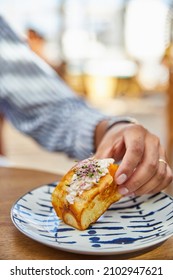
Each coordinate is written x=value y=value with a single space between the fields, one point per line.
x=88 y=205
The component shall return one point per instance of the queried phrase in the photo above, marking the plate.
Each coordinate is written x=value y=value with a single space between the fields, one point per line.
x=128 y=225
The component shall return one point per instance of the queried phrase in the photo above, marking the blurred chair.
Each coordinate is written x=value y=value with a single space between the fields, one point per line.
x=169 y=115
x=108 y=79
x=168 y=61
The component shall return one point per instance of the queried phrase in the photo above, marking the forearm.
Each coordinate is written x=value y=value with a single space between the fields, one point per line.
x=58 y=124
x=1 y=128
x=39 y=104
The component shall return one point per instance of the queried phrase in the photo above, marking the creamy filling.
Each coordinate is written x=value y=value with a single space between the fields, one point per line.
x=87 y=173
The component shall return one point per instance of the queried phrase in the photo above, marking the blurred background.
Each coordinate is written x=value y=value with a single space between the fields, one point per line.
x=117 y=54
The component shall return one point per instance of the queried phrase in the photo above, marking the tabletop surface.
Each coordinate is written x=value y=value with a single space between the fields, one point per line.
x=14 y=245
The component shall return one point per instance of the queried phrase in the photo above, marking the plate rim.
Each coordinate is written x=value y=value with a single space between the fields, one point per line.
x=92 y=251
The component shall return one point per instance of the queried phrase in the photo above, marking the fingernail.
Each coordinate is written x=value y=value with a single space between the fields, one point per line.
x=123 y=191
x=121 y=179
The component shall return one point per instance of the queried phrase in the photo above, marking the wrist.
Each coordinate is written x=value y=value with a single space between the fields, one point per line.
x=120 y=120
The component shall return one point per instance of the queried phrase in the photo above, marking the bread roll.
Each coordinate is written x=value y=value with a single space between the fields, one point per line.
x=86 y=192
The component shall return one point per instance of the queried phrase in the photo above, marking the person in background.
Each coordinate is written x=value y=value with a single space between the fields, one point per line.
x=38 y=103
x=37 y=42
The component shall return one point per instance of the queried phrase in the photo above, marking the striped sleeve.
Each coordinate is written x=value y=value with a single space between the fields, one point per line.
x=38 y=103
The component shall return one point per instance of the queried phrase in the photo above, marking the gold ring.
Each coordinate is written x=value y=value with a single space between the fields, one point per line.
x=162 y=160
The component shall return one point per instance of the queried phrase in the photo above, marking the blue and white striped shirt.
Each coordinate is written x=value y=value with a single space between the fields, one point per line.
x=38 y=103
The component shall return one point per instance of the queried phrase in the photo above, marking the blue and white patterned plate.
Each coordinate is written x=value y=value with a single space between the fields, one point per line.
x=128 y=225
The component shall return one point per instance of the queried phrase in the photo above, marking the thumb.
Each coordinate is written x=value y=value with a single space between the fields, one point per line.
x=116 y=150
x=103 y=152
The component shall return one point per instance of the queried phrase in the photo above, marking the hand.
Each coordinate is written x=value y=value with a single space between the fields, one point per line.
x=139 y=151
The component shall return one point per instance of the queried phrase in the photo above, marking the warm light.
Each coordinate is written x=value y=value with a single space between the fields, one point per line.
x=101 y=78
x=40 y=15
x=145 y=29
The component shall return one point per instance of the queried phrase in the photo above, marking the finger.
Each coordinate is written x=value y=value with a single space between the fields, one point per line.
x=105 y=149
x=115 y=150
x=167 y=181
x=118 y=150
x=147 y=167
x=159 y=179
x=135 y=146
x=103 y=153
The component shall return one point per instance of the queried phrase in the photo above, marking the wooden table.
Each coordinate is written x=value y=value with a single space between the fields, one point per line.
x=16 y=246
